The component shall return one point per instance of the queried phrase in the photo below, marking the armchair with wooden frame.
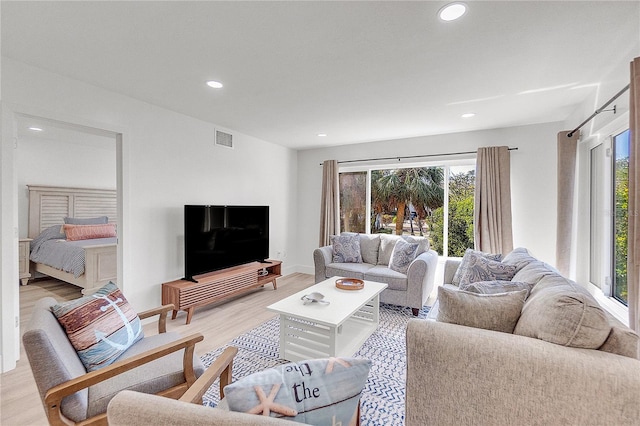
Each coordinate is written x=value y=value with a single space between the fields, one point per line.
x=164 y=364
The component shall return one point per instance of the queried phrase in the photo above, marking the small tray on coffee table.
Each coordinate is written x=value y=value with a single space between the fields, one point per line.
x=350 y=284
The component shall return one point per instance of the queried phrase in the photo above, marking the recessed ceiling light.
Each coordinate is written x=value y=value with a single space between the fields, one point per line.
x=452 y=11
x=468 y=115
x=214 y=84
x=322 y=135
x=35 y=129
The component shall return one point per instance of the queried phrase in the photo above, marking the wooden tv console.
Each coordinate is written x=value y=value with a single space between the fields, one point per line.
x=218 y=286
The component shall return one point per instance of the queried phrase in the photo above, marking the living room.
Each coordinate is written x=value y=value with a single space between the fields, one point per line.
x=167 y=158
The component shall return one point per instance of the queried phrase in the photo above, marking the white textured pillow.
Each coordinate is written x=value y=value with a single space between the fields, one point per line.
x=402 y=255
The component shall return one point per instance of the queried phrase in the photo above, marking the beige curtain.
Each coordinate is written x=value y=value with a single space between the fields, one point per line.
x=492 y=210
x=329 y=214
x=633 y=259
x=567 y=147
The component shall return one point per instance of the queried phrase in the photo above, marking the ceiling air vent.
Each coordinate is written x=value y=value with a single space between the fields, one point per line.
x=224 y=139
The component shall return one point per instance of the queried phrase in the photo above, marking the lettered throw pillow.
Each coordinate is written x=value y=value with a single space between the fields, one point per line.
x=315 y=392
x=402 y=255
x=346 y=248
x=470 y=255
x=100 y=326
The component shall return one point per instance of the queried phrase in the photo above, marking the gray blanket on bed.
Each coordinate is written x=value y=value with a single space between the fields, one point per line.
x=51 y=248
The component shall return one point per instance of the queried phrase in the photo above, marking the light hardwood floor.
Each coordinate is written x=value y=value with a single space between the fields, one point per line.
x=20 y=402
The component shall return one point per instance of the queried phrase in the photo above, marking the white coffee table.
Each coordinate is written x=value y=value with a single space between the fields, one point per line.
x=337 y=329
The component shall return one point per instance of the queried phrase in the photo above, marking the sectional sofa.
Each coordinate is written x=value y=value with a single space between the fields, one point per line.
x=567 y=361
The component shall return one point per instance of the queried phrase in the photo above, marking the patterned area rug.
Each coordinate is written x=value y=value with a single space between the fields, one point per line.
x=382 y=401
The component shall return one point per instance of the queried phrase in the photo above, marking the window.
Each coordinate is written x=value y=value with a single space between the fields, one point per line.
x=427 y=200
x=609 y=194
x=620 y=206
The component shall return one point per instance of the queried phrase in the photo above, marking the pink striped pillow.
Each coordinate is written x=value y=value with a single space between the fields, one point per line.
x=89 y=232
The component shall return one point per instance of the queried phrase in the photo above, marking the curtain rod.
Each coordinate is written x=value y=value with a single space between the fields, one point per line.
x=412 y=156
x=599 y=110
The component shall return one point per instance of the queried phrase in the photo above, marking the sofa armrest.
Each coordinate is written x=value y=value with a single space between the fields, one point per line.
x=321 y=258
x=463 y=375
x=450 y=268
x=421 y=277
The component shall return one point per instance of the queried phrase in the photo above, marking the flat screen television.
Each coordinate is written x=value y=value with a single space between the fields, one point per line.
x=218 y=237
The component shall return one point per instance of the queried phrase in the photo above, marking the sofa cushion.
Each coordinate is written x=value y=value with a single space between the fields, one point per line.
x=369 y=247
x=350 y=270
x=482 y=269
x=496 y=286
x=100 y=326
x=387 y=243
x=402 y=255
x=498 y=312
x=621 y=340
x=519 y=258
x=383 y=274
x=564 y=314
x=144 y=378
x=422 y=241
x=317 y=391
x=469 y=256
x=534 y=272
x=346 y=248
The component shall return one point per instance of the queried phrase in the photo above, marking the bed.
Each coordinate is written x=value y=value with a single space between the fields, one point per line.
x=48 y=206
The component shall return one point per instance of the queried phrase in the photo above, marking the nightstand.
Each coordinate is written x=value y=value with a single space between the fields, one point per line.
x=23 y=260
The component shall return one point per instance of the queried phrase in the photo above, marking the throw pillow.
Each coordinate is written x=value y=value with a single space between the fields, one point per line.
x=469 y=255
x=497 y=312
x=493 y=287
x=423 y=243
x=346 y=248
x=564 y=314
x=90 y=221
x=89 y=232
x=402 y=256
x=315 y=392
x=482 y=269
x=369 y=247
x=100 y=326
x=519 y=257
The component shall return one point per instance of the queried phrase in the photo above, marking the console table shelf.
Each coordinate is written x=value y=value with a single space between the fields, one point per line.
x=218 y=286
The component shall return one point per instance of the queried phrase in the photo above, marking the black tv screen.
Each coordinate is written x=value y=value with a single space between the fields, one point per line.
x=218 y=237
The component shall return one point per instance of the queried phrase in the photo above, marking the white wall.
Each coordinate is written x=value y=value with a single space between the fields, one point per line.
x=168 y=160
x=62 y=162
x=533 y=180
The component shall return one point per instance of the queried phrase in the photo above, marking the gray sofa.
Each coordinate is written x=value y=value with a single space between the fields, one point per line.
x=411 y=289
x=458 y=374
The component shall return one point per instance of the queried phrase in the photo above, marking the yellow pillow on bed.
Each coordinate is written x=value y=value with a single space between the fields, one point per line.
x=89 y=232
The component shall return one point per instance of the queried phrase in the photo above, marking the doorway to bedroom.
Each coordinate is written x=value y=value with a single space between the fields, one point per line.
x=63 y=157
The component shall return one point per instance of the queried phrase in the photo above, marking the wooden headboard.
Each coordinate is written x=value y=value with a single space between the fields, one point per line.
x=49 y=205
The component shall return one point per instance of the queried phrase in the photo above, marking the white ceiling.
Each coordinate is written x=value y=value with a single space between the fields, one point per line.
x=357 y=71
